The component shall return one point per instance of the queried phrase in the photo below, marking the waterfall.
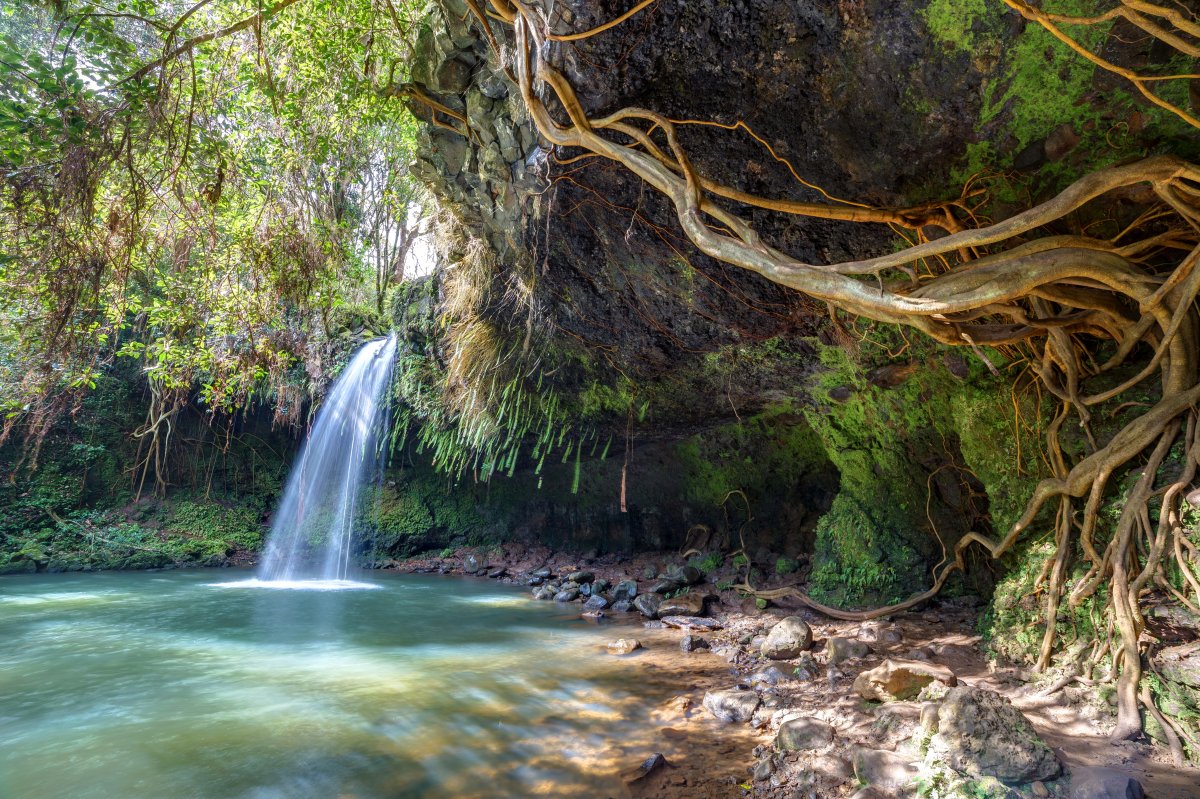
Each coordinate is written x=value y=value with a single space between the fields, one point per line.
x=313 y=529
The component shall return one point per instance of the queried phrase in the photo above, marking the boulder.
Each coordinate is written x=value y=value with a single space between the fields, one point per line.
x=625 y=590
x=685 y=575
x=581 y=577
x=878 y=632
x=763 y=769
x=787 y=639
x=806 y=667
x=623 y=646
x=768 y=676
x=648 y=604
x=596 y=602
x=689 y=604
x=690 y=622
x=649 y=766
x=1180 y=664
x=1094 y=782
x=542 y=572
x=981 y=734
x=798 y=733
x=691 y=643
x=472 y=564
x=567 y=595
x=622 y=606
x=731 y=705
x=665 y=586
x=896 y=680
x=841 y=649
x=883 y=770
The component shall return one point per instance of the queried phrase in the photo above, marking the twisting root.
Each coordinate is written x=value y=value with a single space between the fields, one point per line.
x=995 y=285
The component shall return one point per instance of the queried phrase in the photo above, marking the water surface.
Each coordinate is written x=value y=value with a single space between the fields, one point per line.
x=155 y=685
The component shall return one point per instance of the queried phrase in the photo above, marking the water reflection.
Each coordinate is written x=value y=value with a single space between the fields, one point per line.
x=138 y=685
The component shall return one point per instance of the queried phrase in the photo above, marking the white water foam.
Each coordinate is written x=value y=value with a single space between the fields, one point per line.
x=297 y=585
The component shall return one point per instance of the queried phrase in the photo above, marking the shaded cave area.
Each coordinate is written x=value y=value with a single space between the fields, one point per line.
x=846 y=451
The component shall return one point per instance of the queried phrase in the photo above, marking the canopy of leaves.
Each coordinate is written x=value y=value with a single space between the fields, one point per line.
x=211 y=187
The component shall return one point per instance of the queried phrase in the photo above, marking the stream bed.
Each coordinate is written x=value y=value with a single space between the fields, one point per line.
x=148 y=685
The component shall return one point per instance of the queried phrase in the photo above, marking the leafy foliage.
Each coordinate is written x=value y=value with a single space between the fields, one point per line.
x=199 y=189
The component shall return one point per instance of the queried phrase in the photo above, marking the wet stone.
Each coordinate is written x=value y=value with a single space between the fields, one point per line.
x=689 y=604
x=690 y=622
x=623 y=646
x=648 y=604
x=731 y=705
x=596 y=602
x=625 y=590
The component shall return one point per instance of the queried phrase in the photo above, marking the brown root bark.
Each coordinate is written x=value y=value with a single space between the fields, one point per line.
x=1002 y=283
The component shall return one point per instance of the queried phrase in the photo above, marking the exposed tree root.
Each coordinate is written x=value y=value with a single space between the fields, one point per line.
x=1000 y=284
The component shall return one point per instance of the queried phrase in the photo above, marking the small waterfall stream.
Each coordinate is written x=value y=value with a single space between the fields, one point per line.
x=312 y=532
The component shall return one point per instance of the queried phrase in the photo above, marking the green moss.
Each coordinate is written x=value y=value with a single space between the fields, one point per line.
x=1034 y=84
x=961 y=24
x=775 y=446
x=856 y=560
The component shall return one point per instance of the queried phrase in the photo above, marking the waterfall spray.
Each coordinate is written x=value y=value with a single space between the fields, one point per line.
x=312 y=533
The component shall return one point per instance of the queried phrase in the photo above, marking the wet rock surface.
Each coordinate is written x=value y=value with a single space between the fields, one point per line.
x=959 y=740
x=624 y=646
x=731 y=705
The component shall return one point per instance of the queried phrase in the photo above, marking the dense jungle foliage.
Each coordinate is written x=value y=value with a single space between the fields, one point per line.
x=205 y=206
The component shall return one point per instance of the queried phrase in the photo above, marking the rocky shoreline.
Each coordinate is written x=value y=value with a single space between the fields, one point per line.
x=906 y=706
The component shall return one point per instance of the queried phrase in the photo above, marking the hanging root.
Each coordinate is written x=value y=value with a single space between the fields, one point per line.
x=1061 y=297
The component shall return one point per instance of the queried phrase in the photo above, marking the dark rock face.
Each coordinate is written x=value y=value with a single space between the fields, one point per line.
x=793 y=72
x=625 y=590
x=856 y=98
